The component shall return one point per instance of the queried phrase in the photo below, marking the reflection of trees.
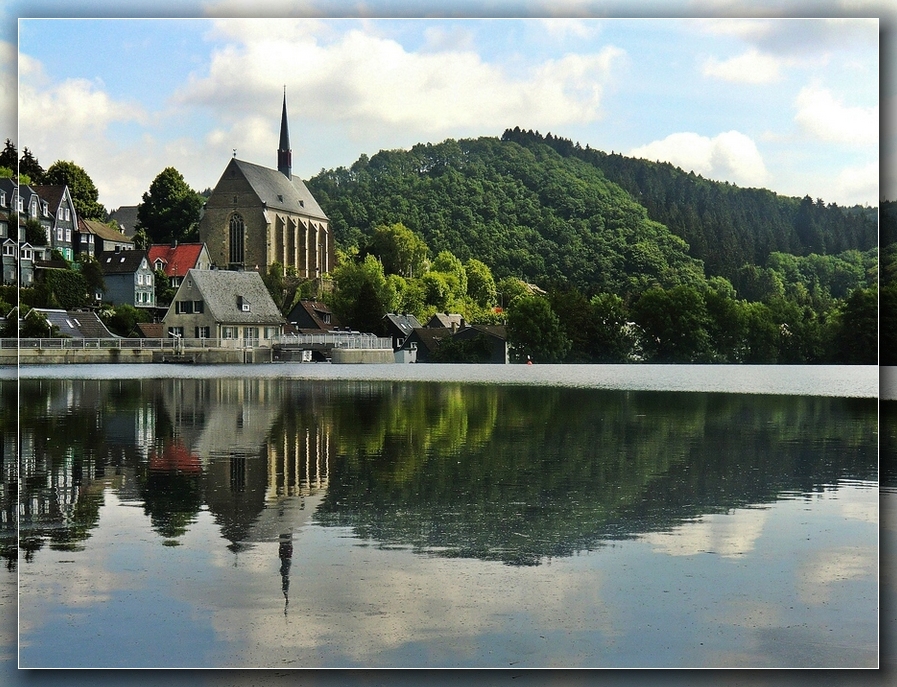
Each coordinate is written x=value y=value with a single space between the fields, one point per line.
x=565 y=470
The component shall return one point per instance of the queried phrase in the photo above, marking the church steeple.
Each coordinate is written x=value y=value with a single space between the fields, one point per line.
x=284 y=154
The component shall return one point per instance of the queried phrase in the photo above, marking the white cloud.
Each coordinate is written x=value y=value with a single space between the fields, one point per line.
x=749 y=67
x=566 y=29
x=7 y=91
x=61 y=117
x=857 y=185
x=372 y=84
x=821 y=115
x=729 y=156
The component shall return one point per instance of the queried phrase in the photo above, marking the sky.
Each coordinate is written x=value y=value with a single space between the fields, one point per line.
x=774 y=100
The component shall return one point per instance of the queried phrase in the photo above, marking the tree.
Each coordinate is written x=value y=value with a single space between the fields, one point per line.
x=675 y=324
x=9 y=156
x=30 y=166
x=614 y=340
x=124 y=319
x=534 y=331
x=480 y=283
x=92 y=272
x=35 y=233
x=84 y=192
x=856 y=337
x=400 y=250
x=170 y=209
x=355 y=282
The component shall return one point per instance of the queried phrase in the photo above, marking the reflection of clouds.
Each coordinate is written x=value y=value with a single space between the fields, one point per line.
x=862 y=505
x=366 y=606
x=731 y=534
x=818 y=574
x=80 y=580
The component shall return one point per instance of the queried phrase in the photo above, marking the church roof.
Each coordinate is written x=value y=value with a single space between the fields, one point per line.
x=278 y=192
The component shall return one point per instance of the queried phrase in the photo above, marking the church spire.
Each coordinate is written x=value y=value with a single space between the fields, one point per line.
x=284 y=154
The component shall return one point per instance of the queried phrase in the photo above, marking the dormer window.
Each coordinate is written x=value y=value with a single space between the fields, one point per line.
x=243 y=304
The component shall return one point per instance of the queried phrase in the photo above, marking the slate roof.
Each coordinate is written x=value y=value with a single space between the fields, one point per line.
x=445 y=320
x=314 y=311
x=278 y=192
x=121 y=262
x=221 y=289
x=126 y=216
x=428 y=337
x=178 y=259
x=404 y=323
x=51 y=194
x=77 y=324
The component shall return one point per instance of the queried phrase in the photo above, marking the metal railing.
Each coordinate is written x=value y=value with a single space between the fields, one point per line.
x=335 y=340
x=349 y=340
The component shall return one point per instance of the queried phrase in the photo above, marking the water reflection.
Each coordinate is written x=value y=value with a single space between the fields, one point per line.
x=513 y=474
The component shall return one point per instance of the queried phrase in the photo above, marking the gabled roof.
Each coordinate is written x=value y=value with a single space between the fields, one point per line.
x=222 y=290
x=315 y=311
x=126 y=217
x=445 y=320
x=151 y=330
x=104 y=231
x=77 y=324
x=404 y=323
x=121 y=262
x=278 y=192
x=52 y=194
x=178 y=260
x=428 y=337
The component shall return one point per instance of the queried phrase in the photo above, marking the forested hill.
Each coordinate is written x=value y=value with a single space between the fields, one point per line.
x=551 y=212
x=525 y=211
x=726 y=226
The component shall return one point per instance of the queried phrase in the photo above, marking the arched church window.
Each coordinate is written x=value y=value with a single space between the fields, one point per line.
x=237 y=238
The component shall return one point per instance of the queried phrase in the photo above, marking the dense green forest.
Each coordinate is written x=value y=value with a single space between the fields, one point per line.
x=671 y=268
x=725 y=226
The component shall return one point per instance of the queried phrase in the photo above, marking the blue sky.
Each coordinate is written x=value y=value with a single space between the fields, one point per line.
x=791 y=104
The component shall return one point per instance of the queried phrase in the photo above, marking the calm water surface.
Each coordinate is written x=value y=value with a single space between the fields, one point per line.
x=324 y=516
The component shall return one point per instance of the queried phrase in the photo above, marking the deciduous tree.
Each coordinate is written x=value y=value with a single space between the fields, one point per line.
x=170 y=209
x=84 y=193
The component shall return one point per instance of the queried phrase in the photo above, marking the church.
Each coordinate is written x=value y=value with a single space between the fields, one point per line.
x=257 y=216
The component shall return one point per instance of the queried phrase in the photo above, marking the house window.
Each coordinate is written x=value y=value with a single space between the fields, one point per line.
x=157 y=265
x=183 y=307
x=270 y=332
x=201 y=332
x=3 y=199
x=198 y=307
x=149 y=280
x=9 y=249
x=59 y=233
x=140 y=279
x=175 y=332
x=229 y=332
x=250 y=333
x=68 y=235
x=237 y=237
x=243 y=304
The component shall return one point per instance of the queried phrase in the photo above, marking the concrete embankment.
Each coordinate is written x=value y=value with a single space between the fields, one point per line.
x=361 y=355
x=204 y=356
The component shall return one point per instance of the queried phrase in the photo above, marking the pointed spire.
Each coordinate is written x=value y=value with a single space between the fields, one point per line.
x=284 y=154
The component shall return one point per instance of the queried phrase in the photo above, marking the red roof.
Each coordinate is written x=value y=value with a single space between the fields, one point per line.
x=176 y=259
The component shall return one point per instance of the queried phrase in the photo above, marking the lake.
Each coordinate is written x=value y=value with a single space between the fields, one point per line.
x=293 y=516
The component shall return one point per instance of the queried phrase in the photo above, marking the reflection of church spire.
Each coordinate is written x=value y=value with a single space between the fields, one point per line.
x=285 y=552
x=284 y=154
